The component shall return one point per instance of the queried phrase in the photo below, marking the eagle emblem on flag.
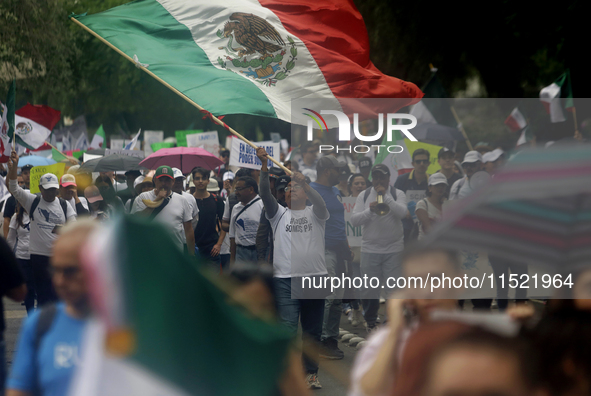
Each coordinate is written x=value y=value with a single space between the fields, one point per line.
x=23 y=128
x=261 y=52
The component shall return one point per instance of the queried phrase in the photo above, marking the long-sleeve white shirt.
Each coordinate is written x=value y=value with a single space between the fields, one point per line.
x=46 y=217
x=381 y=234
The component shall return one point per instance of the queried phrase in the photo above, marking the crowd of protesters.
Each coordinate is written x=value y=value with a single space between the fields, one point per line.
x=293 y=226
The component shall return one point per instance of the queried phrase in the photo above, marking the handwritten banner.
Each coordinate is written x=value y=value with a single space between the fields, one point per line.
x=245 y=156
x=129 y=153
x=38 y=171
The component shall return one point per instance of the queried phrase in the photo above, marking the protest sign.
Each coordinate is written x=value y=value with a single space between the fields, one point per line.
x=181 y=137
x=130 y=153
x=117 y=144
x=245 y=156
x=161 y=145
x=151 y=137
x=354 y=235
x=38 y=171
x=208 y=140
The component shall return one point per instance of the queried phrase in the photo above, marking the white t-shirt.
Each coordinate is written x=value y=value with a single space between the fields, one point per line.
x=192 y=203
x=460 y=189
x=244 y=228
x=45 y=219
x=226 y=245
x=303 y=230
x=173 y=216
x=432 y=212
x=20 y=236
x=83 y=201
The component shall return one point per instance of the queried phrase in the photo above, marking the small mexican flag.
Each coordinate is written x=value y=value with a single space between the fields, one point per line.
x=550 y=97
x=58 y=156
x=164 y=328
x=33 y=125
x=98 y=140
x=516 y=120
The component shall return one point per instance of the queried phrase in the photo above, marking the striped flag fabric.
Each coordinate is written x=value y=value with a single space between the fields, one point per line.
x=98 y=140
x=434 y=108
x=7 y=124
x=398 y=163
x=150 y=339
x=33 y=124
x=251 y=56
x=551 y=95
x=131 y=145
x=516 y=120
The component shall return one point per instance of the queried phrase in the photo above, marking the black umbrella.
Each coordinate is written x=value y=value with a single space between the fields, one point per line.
x=115 y=162
x=442 y=133
x=96 y=151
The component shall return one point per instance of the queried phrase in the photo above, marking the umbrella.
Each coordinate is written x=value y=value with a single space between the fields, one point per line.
x=96 y=151
x=442 y=133
x=536 y=211
x=184 y=158
x=35 y=160
x=115 y=162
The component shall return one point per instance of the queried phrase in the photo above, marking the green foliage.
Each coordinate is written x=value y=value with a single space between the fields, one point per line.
x=267 y=62
x=278 y=58
x=254 y=63
x=290 y=65
x=280 y=76
x=294 y=51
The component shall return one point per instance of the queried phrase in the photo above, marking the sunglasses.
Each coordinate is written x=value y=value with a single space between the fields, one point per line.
x=419 y=162
x=295 y=188
x=241 y=188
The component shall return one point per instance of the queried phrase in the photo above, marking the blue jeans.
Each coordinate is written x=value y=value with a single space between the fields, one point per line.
x=225 y=261
x=381 y=266
x=309 y=312
x=27 y=269
x=332 y=305
x=246 y=256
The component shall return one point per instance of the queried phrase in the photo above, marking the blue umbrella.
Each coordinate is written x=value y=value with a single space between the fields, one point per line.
x=34 y=160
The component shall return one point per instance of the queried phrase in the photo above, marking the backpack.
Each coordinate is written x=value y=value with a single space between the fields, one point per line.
x=63 y=204
x=46 y=317
x=368 y=191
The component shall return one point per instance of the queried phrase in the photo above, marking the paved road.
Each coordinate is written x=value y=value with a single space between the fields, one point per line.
x=334 y=384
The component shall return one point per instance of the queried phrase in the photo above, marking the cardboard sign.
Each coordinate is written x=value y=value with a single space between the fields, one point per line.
x=130 y=153
x=151 y=137
x=208 y=140
x=354 y=234
x=245 y=156
x=37 y=171
x=117 y=144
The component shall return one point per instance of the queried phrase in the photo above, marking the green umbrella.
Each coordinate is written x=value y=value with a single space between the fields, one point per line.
x=115 y=162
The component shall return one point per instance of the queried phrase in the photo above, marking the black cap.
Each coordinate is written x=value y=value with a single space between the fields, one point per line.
x=276 y=172
x=28 y=166
x=365 y=162
x=329 y=161
x=282 y=182
x=381 y=168
x=224 y=151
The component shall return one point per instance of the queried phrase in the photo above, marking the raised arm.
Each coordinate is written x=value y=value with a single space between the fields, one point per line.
x=268 y=199
x=26 y=199
x=318 y=204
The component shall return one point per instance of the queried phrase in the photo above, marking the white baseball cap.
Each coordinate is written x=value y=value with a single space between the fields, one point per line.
x=492 y=156
x=437 y=178
x=176 y=172
x=49 y=180
x=229 y=176
x=471 y=157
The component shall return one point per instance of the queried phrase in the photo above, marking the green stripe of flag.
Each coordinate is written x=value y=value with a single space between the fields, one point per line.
x=144 y=28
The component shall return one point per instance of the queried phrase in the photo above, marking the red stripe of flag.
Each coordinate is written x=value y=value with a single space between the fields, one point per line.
x=340 y=46
x=41 y=114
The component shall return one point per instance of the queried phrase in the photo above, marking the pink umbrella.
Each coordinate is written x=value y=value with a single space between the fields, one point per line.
x=184 y=158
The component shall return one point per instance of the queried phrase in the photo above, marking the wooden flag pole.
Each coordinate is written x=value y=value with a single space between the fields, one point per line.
x=72 y=160
x=179 y=93
x=453 y=110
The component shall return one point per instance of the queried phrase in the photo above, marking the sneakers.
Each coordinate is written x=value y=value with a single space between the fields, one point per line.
x=357 y=318
x=312 y=381
x=330 y=350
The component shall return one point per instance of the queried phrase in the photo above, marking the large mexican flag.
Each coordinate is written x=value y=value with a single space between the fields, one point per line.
x=249 y=56
x=164 y=329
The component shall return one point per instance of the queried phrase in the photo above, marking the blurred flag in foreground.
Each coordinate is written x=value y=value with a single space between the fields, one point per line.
x=164 y=329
